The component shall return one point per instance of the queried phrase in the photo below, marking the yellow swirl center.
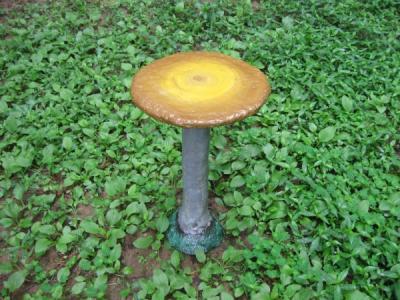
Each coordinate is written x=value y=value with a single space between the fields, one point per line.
x=198 y=81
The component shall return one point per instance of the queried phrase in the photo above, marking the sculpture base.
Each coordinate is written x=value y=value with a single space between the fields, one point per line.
x=189 y=243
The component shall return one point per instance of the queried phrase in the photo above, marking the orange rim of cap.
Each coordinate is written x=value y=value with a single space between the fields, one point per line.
x=199 y=89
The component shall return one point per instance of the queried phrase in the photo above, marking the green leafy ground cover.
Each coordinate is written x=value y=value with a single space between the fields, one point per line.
x=307 y=190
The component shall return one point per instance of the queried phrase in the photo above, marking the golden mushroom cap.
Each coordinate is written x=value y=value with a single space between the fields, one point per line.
x=199 y=89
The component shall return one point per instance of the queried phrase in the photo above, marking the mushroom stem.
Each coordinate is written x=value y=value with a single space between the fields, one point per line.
x=194 y=216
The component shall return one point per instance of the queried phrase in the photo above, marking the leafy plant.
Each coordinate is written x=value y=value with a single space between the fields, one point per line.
x=307 y=188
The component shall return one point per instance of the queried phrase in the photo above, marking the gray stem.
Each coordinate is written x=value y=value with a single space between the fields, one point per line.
x=193 y=216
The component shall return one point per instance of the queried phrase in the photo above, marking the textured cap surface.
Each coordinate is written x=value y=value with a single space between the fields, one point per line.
x=199 y=89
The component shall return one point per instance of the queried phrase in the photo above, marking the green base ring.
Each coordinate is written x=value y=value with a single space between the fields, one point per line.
x=190 y=243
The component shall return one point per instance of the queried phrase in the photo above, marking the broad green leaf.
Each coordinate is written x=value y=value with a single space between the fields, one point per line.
x=161 y=281
x=62 y=275
x=47 y=229
x=162 y=224
x=42 y=245
x=91 y=227
x=226 y=296
x=6 y=222
x=200 y=256
x=238 y=165
x=143 y=242
x=327 y=134
x=11 y=124
x=268 y=149
x=67 y=143
x=117 y=233
x=219 y=141
x=84 y=264
x=115 y=253
x=57 y=291
x=131 y=229
x=43 y=200
x=363 y=206
x=77 y=288
x=132 y=190
x=396 y=289
x=263 y=293
x=100 y=283
x=312 y=127
x=347 y=103
x=3 y=107
x=95 y=14
x=287 y=22
x=175 y=259
x=66 y=94
x=5 y=268
x=245 y=210
x=237 y=181
x=180 y=6
x=133 y=208
x=126 y=66
x=15 y=280
x=258 y=64
x=131 y=50
x=357 y=295
x=113 y=216
x=115 y=186
x=67 y=238
x=232 y=255
x=160 y=278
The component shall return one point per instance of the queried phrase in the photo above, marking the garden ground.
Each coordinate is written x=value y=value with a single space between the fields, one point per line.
x=307 y=189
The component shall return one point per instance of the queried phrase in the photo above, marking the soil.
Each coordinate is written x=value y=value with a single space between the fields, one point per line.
x=7 y=6
x=255 y=4
x=115 y=285
x=11 y=4
x=51 y=260
x=132 y=257
x=85 y=211
x=142 y=261
x=3 y=259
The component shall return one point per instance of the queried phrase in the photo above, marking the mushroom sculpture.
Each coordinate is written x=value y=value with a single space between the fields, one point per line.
x=197 y=91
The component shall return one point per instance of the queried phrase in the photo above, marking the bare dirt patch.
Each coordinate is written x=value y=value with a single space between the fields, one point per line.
x=215 y=208
x=144 y=264
x=397 y=148
x=6 y=6
x=115 y=285
x=85 y=211
x=255 y=4
x=12 y=4
x=52 y=260
x=27 y=288
x=138 y=259
x=4 y=258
